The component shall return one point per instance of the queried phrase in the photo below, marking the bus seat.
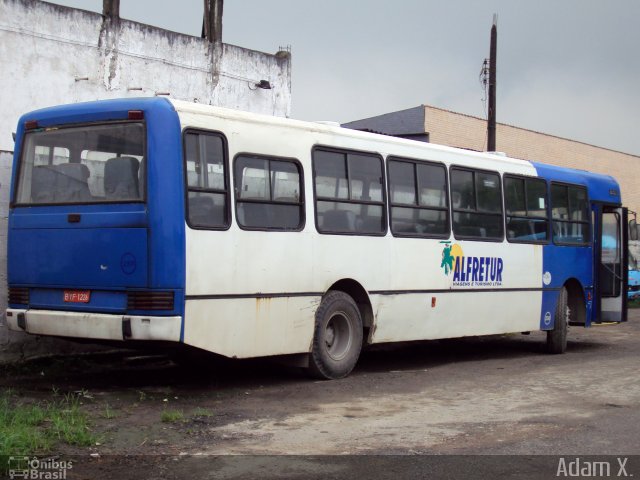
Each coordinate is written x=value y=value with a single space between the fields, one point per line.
x=286 y=199
x=469 y=231
x=201 y=210
x=339 y=221
x=284 y=214
x=121 y=178
x=403 y=227
x=255 y=215
x=370 y=223
x=287 y=217
x=43 y=184
x=72 y=183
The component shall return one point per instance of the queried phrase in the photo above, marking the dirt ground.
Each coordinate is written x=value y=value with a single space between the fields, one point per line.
x=472 y=396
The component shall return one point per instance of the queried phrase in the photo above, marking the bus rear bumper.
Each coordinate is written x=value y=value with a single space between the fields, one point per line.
x=94 y=325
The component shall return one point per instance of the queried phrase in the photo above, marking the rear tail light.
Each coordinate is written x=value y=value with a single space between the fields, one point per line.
x=19 y=295
x=135 y=115
x=150 y=301
x=31 y=124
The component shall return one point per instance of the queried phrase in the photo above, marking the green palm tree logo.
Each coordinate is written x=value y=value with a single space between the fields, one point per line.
x=447 y=258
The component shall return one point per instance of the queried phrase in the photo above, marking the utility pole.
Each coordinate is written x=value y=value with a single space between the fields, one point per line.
x=491 y=117
x=212 y=22
x=111 y=8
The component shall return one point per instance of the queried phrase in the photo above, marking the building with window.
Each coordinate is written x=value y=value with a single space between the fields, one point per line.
x=444 y=127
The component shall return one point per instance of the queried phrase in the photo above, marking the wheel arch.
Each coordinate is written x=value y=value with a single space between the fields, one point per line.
x=355 y=290
x=576 y=302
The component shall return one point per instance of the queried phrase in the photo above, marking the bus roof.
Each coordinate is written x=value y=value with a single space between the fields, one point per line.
x=335 y=129
x=601 y=187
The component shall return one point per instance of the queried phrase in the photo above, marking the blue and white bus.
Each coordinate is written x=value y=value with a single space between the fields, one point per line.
x=142 y=220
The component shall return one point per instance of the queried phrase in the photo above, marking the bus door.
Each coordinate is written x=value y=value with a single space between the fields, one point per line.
x=611 y=258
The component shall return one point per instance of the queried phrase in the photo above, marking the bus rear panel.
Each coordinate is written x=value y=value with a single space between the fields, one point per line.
x=92 y=243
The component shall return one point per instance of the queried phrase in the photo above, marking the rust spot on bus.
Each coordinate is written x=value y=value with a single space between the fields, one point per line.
x=262 y=303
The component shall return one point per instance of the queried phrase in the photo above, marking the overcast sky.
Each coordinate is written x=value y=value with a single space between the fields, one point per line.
x=565 y=67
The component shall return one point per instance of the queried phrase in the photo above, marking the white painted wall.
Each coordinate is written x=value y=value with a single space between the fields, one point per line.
x=6 y=159
x=51 y=55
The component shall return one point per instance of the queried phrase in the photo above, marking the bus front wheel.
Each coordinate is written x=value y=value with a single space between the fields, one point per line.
x=557 y=338
x=337 y=338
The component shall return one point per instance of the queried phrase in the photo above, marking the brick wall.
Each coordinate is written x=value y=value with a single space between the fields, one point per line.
x=464 y=131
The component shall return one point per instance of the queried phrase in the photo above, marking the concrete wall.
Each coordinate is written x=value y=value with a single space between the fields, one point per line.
x=6 y=159
x=5 y=178
x=51 y=55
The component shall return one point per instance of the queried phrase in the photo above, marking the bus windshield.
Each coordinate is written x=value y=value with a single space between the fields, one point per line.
x=80 y=165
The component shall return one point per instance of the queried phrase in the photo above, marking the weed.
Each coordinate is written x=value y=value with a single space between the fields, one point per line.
x=20 y=431
x=108 y=413
x=35 y=428
x=84 y=393
x=171 y=416
x=202 y=412
x=68 y=423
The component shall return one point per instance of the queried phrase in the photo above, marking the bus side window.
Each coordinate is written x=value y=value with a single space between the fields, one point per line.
x=206 y=178
x=526 y=209
x=268 y=193
x=479 y=214
x=418 y=197
x=349 y=196
x=570 y=212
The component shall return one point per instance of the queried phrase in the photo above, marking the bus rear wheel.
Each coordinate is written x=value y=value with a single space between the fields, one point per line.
x=337 y=338
x=557 y=338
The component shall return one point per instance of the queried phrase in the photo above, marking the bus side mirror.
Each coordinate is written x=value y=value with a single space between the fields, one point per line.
x=633 y=229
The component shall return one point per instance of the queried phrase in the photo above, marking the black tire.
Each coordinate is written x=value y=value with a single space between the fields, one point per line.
x=337 y=338
x=557 y=338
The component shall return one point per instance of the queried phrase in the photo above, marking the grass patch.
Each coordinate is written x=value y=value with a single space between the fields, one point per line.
x=27 y=429
x=171 y=416
x=634 y=303
x=108 y=412
x=68 y=423
x=202 y=412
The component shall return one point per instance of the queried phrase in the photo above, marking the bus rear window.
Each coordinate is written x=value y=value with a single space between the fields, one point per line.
x=79 y=165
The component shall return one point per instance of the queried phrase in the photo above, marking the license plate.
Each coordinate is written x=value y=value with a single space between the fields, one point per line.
x=77 y=296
